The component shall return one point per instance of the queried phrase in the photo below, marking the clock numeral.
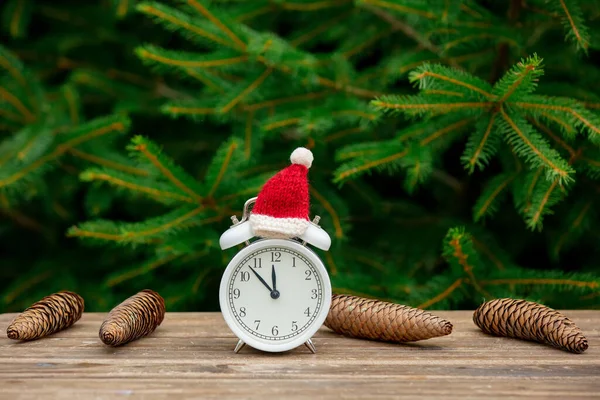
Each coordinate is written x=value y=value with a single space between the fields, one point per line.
x=236 y=293
x=245 y=276
x=314 y=294
x=275 y=331
x=308 y=273
x=257 y=264
x=257 y=322
x=242 y=311
x=294 y=325
x=294 y=262
x=276 y=257
x=307 y=312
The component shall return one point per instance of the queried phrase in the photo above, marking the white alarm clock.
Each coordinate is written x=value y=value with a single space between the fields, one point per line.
x=275 y=293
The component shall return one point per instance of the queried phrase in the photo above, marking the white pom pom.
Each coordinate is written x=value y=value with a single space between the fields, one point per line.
x=302 y=156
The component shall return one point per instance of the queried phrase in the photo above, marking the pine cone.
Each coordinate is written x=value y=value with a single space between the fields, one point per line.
x=378 y=320
x=49 y=315
x=529 y=321
x=134 y=318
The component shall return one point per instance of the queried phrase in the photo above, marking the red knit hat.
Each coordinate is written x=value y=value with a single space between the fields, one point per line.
x=281 y=209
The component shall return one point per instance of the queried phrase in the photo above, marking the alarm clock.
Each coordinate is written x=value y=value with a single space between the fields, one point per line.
x=275 y=293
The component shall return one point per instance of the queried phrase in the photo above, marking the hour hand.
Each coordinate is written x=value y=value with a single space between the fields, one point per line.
x=274 y=293
x=260 y=279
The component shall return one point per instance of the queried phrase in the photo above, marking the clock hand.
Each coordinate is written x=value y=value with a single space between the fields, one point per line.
x=261 y=279
x=274 y=293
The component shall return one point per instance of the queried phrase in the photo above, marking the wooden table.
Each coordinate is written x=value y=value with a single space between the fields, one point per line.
x=191 y=356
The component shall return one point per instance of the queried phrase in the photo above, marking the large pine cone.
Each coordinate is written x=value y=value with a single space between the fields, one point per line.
x=378 y=320
x=529 y=321
x=49 y=315
x=134 y=318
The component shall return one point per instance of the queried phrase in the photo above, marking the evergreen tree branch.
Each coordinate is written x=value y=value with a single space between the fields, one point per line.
x=107 y=163
x=76 y=137
x=480 y=148
x=530 y=145
x=12 y=65
x=151 y=153
x=577 y=222
x=181 y=59
x=416 y=105
x=286 y=100
x=400 y=8
x=300 y=40
x=574 y=21
x=17 y=104
x=541 y=281
x=178 y=19
x=520 y=80
x=118 y=278
x=554 y=137
x=339 y=233
x=487 y=202
x=224 y=165
x=254 y=85
x=542 y=206
x=428 y=75
x=313 y=6
x=140 y=233
x=133 y=184
x=458 y=249
x=204 y=11
x=574 y=112
x=443 y=295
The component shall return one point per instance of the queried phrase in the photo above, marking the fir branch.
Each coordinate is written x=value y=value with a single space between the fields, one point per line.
x=487 y=203
x=400 y=8
x=339 y=233
x=530 y=145
x=573 y=226
x=443 y=295
x=419 y=105
x=12 y=65
x=188 y=60
x=286 y=100
x=166 y=167
x=307 y=36
x=573 y=22
x=17 y=104
x=253 y=86
x=145 y=232
x=520 y=80
x=210 y=16
x=135 y=184
x=313 y=6
x=131 y=273
x=75 y=137
x=542 y=281
x=107 y=163
x=435 y=76
x=226 y=160
x=458 y=251
x=571 y=112
x=174 y=19
x=482 y=144
x=540 y=203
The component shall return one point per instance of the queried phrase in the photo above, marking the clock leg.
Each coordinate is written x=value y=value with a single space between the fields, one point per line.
x=310 y=346
x=240 y=345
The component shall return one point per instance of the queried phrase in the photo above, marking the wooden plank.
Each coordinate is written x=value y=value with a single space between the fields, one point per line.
x=190 y=356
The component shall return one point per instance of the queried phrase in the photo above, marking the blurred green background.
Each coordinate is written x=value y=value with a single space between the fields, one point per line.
x=131 y=131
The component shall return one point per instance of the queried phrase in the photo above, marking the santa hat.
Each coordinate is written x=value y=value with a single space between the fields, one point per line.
x=281 y=209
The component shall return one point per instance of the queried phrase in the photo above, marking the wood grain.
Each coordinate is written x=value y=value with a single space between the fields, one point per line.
x=190 y=356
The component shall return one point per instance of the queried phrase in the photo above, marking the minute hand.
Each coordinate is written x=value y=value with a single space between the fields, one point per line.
x=260 y=279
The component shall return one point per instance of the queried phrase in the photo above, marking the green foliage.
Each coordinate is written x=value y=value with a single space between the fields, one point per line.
x=455 y=143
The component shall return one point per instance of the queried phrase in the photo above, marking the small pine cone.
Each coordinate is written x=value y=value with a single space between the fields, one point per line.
x=134 y=318
x=49 y=315
x=529 y=321
x=378 y=320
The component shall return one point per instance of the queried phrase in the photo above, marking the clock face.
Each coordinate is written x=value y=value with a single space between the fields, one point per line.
x=275 y=292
